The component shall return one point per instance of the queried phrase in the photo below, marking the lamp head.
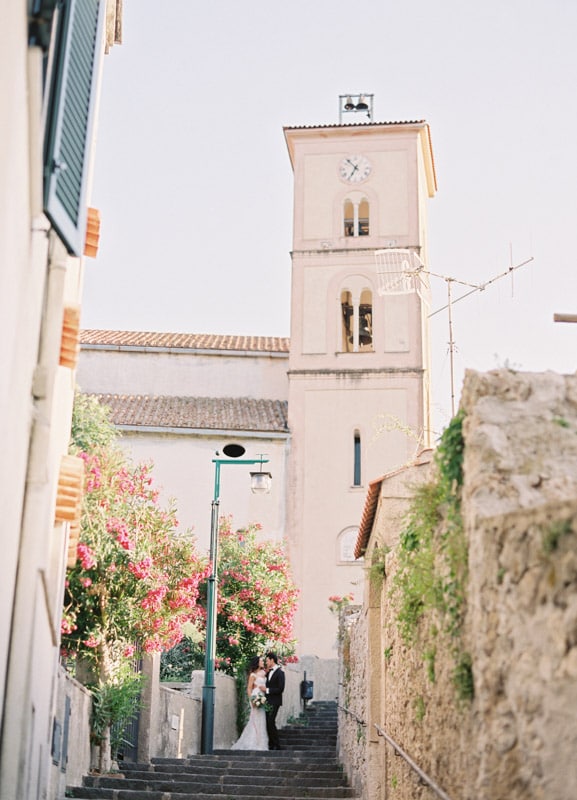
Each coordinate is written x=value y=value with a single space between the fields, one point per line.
x=260 y=482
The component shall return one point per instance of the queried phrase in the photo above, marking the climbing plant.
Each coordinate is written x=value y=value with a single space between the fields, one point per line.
x=429 y=585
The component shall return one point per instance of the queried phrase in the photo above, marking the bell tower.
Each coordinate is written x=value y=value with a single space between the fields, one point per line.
x=359 y=359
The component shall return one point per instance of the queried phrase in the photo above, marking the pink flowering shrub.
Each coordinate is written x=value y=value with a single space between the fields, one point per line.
x=256 y=603
x=257 y=598
x=337 y=603
x=135 y=582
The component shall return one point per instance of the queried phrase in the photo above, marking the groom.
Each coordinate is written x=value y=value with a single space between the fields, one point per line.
x=274 y=690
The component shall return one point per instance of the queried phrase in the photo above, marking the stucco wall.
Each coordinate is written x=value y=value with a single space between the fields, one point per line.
x=517 y=738
x=183 y=470
x=171 y=373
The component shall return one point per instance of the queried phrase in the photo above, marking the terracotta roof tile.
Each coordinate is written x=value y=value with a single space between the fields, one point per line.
x=210 y=413
x=353 y=125
x=372 y=501
x=185 y=341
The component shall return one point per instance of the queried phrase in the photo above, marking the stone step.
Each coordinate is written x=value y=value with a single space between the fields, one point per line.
x=259 y=758
x=116 y=794
x=219 y=767
x=316 y=777
x=175 y=790
x=302 y=735
x=211 y=784
x=305 y=769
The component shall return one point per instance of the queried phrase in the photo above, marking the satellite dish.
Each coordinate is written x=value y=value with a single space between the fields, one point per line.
x=233 y=450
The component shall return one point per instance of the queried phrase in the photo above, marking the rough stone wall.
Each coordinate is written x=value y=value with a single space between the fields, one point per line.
x=520 y=496
x=516 y=740
x=352 y=698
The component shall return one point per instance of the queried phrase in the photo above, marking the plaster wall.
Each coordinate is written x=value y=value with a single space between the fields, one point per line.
x=320 y=176
x=392 y=188
x=395 y=318
x=21 y=292
x=183 y=470
x=188 y=374
x=36 y=281
x=330 y=504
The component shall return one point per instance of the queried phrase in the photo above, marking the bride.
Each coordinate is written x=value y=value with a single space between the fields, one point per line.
x=254 y=735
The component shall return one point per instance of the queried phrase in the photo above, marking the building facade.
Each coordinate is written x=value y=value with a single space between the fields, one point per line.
x=177 y=399
x=359 y=356
x=51 y=62
x=352 y=384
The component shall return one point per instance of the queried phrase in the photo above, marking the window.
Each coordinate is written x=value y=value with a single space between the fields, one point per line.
x=349 y=219
x=364 y=218
x=357 y=322
x=70 y=118
x=346 y=543
x=357 y=459
x=356 y=217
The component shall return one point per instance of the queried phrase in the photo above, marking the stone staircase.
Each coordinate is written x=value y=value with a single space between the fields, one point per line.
x=306 y=767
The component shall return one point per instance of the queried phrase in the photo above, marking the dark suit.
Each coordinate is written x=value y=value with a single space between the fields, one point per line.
x=274 y=689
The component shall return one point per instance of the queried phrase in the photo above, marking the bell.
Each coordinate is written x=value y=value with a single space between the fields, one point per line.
x=365 y=335
x=349 y=105
x=361 y=105
x=365 y=332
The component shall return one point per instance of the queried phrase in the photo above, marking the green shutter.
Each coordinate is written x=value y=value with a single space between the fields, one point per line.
x=70 y=118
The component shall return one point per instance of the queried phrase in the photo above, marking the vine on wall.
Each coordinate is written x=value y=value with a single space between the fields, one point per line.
x=428 y=588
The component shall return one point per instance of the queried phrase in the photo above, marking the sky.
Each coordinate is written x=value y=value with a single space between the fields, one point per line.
x=194 y=184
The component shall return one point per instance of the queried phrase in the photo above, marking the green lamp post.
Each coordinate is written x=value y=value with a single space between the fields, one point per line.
x=260 y=484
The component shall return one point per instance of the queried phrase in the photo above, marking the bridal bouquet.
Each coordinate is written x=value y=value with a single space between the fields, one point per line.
x=258 y=700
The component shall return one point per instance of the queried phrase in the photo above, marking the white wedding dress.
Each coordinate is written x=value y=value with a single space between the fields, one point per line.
x=254 y=735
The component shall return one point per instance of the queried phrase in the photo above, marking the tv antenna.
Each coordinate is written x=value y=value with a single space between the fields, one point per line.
x=401 y=271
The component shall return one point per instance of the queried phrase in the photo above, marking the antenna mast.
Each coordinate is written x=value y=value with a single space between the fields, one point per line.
x=400 y=272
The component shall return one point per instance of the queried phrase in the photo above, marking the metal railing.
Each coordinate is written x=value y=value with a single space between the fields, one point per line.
x=422 y=775
x=399 y=750
x=352 y=714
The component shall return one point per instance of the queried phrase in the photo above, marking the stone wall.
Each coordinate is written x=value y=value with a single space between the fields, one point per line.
x=520 y=496
x=516 y=739
x=70 y=735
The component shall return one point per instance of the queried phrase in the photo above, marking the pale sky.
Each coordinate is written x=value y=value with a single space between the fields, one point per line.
x=194 y=183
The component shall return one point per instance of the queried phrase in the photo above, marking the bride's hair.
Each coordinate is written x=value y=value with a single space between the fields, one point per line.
x=254 y=664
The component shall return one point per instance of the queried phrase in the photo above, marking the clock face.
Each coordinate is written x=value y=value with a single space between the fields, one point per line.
x=354 y=169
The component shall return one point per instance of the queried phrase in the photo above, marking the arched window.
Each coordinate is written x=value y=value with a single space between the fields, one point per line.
x=364 y=218
x=356 y=322
x=366 y=320
x=346 y=542
x=356 y=217
x=357 y=458
x=349 y=219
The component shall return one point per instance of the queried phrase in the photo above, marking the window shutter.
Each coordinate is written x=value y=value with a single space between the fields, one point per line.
x=70 y=118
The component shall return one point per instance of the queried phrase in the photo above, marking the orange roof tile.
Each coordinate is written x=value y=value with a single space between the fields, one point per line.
x=372 y=501
x=184 y=341
x=209 y=413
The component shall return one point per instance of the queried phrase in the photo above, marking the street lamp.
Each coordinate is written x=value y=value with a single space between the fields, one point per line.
x=260 y=484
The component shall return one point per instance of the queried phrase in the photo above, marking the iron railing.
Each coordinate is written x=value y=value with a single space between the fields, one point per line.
x=422 y=775
x=399 y=750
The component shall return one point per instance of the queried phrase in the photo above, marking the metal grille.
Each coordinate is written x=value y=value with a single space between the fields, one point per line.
x=398 y=271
